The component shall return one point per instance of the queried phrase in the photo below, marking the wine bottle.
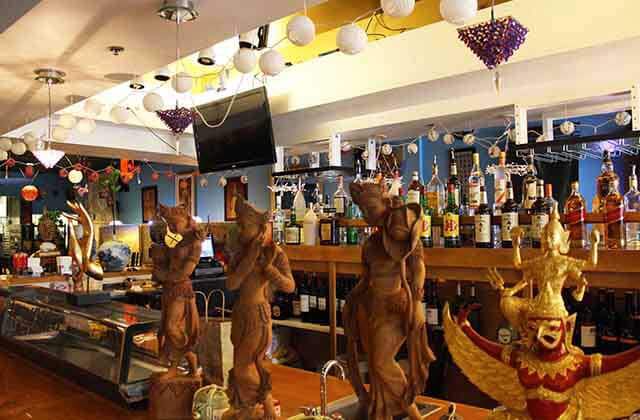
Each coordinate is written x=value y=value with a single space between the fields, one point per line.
x=451 y=220
x=434 y=308
x=476 y=181
x=508 y=217
x=416 y=189
x=632 y=204
x=305 y=300
x=313 y=299
x=323 y=307
x=295 y=303
x=588 y=331
x=453 y=176
x=459 y=301
x=539 y=216
x=529 y=182
x=473 y=303
x=628 y=338
x=574 y=212
x=609 y=338
x=340 y=198
x=482 y=220
x=425 y=234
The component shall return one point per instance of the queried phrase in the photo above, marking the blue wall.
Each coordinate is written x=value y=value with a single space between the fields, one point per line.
x=53 y=189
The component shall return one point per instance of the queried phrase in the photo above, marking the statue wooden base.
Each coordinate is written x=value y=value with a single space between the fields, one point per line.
x=171 y=399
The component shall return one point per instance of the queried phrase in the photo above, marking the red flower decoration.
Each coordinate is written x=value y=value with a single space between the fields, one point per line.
x=29 y=192
x=155 y=176
x=108 y=170
x=93 y=177
x=170 y=175
x=63 y=173
x=11 y=162
x=78 y=167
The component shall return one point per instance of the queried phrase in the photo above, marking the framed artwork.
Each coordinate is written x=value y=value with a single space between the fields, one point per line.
x=234 y=186
x=186 y=192
x=149 y=197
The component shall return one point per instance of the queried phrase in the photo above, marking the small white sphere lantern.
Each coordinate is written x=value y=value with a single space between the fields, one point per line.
x=182 y=82
x=60 y=133
x=351 y=39
x=272 y=63
x=387 y=149
x=398 y=8
x=93 y=107
x=5 y=144
x=469 y=139
x=120 y=114
x=433 y=135
x=458 y=12
x=86 y=126
x=75 y=176
x=412 y=148
x=623 y=118
x=67 y=121
x=301 y=31
x=448 y=139
x=222 y=182
x=3 y=155
x=245 y=60
x=152 y=102
x=567 y=128
x=19 y=148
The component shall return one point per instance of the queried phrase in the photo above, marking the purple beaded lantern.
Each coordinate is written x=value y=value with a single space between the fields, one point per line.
x=177 y=119
x=495 y=41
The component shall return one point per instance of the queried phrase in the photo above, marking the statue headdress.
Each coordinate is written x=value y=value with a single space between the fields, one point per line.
x=248 y=213
x=554 y=234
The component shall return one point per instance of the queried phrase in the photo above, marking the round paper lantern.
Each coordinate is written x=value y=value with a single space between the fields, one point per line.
x=67 y=121
x=10 y=163
x=19 y=148
x=152 y=102
x=29 y=138
x=155 y=176
x=301 y=31
x=182 y=82
x=93 y=177
x=346 y=147
x=28 y=171
x=204 y=182
x=120 y=114
x=365 y=155
x=387 y=149
x=92 y=107
x=448 y=139
x=623 y=118
x=433 y=135
x=272 y=63
x=494 y=151
x=244 y=179
x=398 y=8
x=86 y=126
x=567 y=128
x=75 y=176
x=60 y=133
x=29 y=192
x=62 y=173
x=352 y=39
x=108 y=170
x=458 y=12
x=412 y=148
x=5 y=144
x=469 y=139
x=245 y=60
x=3 y=155
x=222 y=182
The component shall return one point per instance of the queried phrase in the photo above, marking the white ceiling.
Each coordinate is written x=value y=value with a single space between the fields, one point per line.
x=73 y=36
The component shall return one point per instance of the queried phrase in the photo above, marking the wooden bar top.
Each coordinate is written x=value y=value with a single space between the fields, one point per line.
x=29 y=280
x=33 y=393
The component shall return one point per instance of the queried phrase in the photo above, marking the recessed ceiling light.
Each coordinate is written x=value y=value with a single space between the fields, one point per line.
x=115 y=49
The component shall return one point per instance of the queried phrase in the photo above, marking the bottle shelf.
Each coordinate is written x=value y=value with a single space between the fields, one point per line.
x=307 y=326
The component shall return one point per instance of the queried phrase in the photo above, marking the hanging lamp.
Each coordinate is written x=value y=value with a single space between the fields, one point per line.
x=45 y=154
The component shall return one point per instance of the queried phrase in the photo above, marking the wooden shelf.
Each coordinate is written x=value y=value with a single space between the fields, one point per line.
x=307 y=326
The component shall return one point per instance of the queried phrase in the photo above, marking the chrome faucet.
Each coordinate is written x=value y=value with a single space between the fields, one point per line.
x=323 y=383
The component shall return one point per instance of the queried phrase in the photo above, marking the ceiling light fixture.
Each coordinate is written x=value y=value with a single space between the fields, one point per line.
x=207 y=57
x=178 y=10
x=136 y=83
x=163 y=75
x=47 y=156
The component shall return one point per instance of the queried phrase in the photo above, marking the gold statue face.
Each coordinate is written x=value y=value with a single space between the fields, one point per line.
x=548 y=332
x=554 y=237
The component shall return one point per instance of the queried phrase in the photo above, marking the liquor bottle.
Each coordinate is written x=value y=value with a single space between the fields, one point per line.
x=529 y=182
x=476 y=180
x=305 y=298
x=436 y=193
x=508 y=217
x=482 y=221
x=277 y=311
x=473 y=303
x=539 y=216
x=292 y=231
x=310 y=227
x=549 y=201
x=467 y=231
x=352 y=231
x=453 y=176
x=451 y=220
x=632 y=204
x=614 y=218
x=609 y=338
x=459 y=302
x=329 y=229
x=340 y=198
x=323 y=306
x=425 y=234
x=295 y=303
x=500 y=179
x=278 y=222
x=588 y=331
x=628 y=338
x=313 y=299
x=574 y=213
x=416 y=189
x=299 y=203
x=433 y=308
x=603 y=183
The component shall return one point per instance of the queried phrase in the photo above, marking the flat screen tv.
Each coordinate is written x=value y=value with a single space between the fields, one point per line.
x=245 y=139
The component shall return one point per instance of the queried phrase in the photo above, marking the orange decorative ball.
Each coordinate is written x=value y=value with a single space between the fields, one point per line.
x=29 y=192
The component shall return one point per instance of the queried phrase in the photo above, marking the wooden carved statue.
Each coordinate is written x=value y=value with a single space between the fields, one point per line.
x=543 y=376
x=80 y=248
x=385 y=308
x=257 y=269
x=175 y=255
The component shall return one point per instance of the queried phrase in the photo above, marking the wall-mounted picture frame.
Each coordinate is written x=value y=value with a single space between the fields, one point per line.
x=186 y=191
x=234 y=186
x=149 y=199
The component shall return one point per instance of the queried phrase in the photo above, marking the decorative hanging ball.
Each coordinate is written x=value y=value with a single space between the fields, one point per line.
x=29 y=192
x=469 y=139
x=398 y=8
x=108 y=170
x=458 y=12
x=93 y=177
x=346 y=147
x=120 y=114
x=412 y=148
x=75 y=176
x=155 y=176
x=245 y=60
x=448 y=139
x=365 y=155
x=5 y=144
x=62 y=173
x=244 y=179
x=433 y=135
x=93 y=107
x=19 y=148
x=86 y=126
x=3 y=155
x=67 y=121
x=351 y=39
x=10 y=163
x=222 y=182
x=28 y=171
x=623 y=118
x=182 y=82
x=567 y=128
x=272 y=63
x=494 y=151
x=301 y=31
x=387 y=149
x=152 y=102
x=204 y=182
x=60 y=134
x=29 y=138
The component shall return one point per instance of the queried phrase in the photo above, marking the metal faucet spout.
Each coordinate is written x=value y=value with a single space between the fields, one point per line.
x=323 y=383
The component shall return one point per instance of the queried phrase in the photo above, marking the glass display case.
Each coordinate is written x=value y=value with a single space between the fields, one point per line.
x=112 y=346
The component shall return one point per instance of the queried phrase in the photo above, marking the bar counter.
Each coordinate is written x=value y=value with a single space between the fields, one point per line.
x=30 y=392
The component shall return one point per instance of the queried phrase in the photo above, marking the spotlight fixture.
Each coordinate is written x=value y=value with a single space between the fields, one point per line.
x=136 y=83
x=163 y=75
x=178 y=10
x=207 y=57
x=50 y=76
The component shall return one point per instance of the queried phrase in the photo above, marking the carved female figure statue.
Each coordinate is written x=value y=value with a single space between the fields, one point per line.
x=257 y=269
x=173 y=266
x=385 y=309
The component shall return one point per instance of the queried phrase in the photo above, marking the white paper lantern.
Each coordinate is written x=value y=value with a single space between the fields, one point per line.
x=469 y=139
x=5 y=144
x=433 y=135
x=86 y=126
x=494 y=151
x=541 y=138
x=245 y=60
x=346 y=146
x=365 y=155
x=301 y=31
x=60 y=133
x=75 y=176
x=120 y=114
x=458 y=12
x=398 y=8
x=3 y=155
x=448 y=139
x=412 y=149
x=67 y=121
x=19 y=148
x=152 y=102
x=272 y=63
x=182 y=82
x=244 y=179
x=204 y=182
x=222 y=182
x=387 y=149
x=567 y=128
x=623 y=118
x=93 y=107
x=351 y=39
x=29 y=138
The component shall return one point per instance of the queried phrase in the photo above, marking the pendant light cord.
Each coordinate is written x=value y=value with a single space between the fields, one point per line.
x=49 y=124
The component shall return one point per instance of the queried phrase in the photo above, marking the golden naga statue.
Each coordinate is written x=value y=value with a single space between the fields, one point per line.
x=543 y=376
x=80 y=248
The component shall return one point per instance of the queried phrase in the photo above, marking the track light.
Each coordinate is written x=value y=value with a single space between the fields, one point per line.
x=207 y=57
x=163 y=74
x=136 y=83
